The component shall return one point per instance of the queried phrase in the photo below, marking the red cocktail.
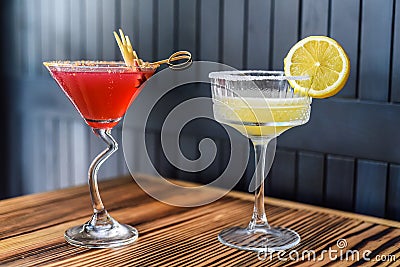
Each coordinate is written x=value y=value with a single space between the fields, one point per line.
x=101 y=92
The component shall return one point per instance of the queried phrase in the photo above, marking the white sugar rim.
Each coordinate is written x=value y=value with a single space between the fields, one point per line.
x=240 y=75
x=269 y=100
x=90 y=65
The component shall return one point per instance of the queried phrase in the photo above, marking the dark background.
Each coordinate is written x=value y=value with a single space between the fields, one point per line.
x=346 y=157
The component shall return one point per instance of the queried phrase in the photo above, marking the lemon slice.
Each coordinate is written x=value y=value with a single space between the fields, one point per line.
x=323 y=60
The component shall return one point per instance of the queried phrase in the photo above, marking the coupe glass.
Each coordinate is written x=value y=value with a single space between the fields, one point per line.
x=101 y=92
x=261 y=105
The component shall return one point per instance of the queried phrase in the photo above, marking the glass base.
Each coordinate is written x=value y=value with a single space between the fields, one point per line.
x=101 y=236
x=261 y=239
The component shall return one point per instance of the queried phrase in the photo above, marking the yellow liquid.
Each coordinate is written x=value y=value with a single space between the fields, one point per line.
x=262 y=117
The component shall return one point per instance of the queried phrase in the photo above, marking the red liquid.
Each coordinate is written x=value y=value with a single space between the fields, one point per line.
x=101 y=96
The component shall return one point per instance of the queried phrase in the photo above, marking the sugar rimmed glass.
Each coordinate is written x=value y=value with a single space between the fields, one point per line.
x=261 y=105
x=101 y=91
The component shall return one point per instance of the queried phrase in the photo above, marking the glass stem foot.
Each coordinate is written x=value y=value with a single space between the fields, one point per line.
x=259 y=236
x=101 y=231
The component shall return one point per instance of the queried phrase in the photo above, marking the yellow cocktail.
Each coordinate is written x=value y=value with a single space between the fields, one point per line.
x=261 y=105
x=262 y=116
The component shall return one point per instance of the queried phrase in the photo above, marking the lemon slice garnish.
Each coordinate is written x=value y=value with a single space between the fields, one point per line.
x=323 y=60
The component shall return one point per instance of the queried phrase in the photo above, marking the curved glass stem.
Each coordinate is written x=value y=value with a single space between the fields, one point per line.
x=259 y=218
x=100 y=216
x=101 y=231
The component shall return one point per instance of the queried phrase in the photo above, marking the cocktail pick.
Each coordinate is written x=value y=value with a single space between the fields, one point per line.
x=132 y=60
x=179 y=55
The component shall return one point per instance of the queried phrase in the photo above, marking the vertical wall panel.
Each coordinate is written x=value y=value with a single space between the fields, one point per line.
x=49 y=155
x=285 y=30
x=259 y=34
x=64 y=149
x=96 y=145
x=78 y=29
x=129 y=22
x=188 y=146
x=130 y=149
x=62 y=28
x=92 y=29
x=18 y=23
x=149 y=152
x=122 y=169
x=48 y=47
x=233 y=33
x=209 y=30
x=375 y=50
x=187 y=26
x=29 y=167
x=32 y=55
x=393 y=193
x=395 y=87
x=60 y=155
x=110 y=167
x=129 y=13
x=310 y=183
x=245 y=182
x=79 y=150
x=109 y=25
x=164 y=168
x=314 y=20
x=283 y=175
x=37 y=169
x=166 y=17
x=371 y=188
x=145 y=39
x=209 y=174
x=339 y=185
x=344 y=29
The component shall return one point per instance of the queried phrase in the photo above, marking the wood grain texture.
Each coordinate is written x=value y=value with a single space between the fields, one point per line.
x=173 y=236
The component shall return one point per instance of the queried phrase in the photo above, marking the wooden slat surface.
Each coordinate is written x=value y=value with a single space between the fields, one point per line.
x=31 y=230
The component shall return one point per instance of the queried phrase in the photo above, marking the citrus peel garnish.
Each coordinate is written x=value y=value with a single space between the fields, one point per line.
x=132 y=60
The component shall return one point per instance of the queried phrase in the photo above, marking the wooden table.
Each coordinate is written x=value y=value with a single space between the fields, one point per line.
x=32 y=227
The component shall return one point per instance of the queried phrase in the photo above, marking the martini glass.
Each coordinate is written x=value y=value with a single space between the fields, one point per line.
x=261 y=105
x=101 y=92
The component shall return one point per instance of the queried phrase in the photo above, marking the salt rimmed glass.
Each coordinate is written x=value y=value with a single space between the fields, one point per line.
x=261 y=105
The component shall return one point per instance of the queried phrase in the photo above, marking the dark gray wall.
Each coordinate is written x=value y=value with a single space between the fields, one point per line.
x=346 y=157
